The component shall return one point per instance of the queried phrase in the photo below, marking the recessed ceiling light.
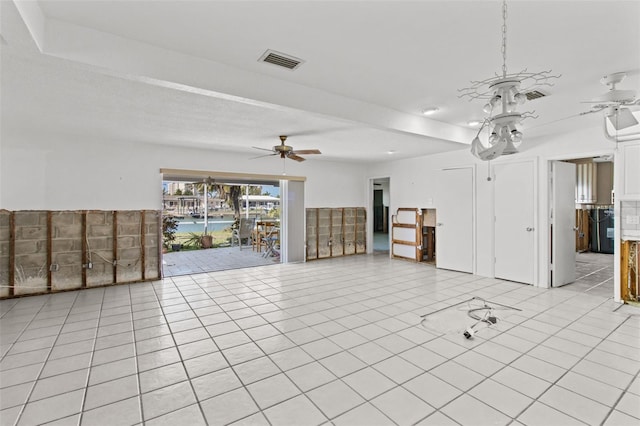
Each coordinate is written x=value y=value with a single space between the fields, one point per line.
x=391 y=152
x=474 y=122
x=430 y=110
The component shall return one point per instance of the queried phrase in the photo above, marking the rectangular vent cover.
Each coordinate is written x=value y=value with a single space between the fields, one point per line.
x=534 y=94
x=281 y=59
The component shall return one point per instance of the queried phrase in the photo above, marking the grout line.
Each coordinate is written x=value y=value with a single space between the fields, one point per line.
x=38 y=377
x=598 y=285
x=289 y=289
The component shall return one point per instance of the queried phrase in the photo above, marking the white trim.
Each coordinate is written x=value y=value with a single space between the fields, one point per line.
x=545 y=254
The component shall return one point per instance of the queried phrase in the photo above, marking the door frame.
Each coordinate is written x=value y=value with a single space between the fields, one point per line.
x=287 y=236
x=545 y=210
x=369 y=210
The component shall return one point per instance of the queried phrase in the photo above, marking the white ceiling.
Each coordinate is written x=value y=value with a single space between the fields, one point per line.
x=186 y=73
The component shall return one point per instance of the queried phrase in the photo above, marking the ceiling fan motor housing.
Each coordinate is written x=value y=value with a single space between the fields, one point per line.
x=283 y=148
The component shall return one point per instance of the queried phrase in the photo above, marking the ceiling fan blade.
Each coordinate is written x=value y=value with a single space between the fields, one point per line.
x=295 y=157
x=617 y=96
x=262 y=149
x=261 y=156
x=622 y=119
x=307 y=151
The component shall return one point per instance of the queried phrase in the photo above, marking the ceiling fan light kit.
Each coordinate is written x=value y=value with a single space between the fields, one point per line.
x=503 y=93
x=616 y=104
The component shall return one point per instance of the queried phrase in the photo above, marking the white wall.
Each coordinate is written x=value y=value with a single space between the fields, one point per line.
x=59 y=172
x=414 y=184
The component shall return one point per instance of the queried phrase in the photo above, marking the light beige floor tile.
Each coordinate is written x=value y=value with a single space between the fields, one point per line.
x=257 y=369
x=468 y=410
x=162 y=376
x=590 y=388
x=370 y=353
x=310 y=376
x=204 y=364
x=423 y=358
x=122 y=412
x=398 y=369
x=574 y=405
x=296 y=411
x=224 y=380
x=272 y=390
x=501 y=398
x=242 y=353
x=479 y=363
x=190 y=415
x=348 y=339
x=56 y=385
x=363 y=415
x=617 y=418
x=334 y=398
x=432 y=390
x=110 y=392
x=15 y=395
x=321 y=348
x=630 y=404
x=523 y=382
x=369 y=383
x=457 y=375
x=402 y=407
x=342 y=363
x=437 y=419
x=228 y=407
x=49 y=409
x=290 y=358
x=540 y=414
x=538 y=368
x=166 y=400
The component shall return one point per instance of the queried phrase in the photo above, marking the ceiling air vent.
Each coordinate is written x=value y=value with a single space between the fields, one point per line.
x=534 y=94
x=281 y=59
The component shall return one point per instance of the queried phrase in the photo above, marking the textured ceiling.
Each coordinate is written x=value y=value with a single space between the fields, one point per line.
x=186 y=73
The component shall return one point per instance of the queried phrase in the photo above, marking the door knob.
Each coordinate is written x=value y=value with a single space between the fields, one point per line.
x=529 y=229
x=439 y=224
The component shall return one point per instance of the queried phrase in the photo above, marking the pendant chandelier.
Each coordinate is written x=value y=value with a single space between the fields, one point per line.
x=503 y=94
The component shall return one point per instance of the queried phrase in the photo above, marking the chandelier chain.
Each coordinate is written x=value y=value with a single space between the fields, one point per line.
x=504 y=38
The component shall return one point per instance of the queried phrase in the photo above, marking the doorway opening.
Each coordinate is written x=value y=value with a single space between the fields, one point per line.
x=219 y=224
x=380 y=209
x=428 y=236
x=593 y=228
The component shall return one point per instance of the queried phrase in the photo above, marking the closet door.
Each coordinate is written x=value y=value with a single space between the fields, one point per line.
x=515 y=228
x=454 y=228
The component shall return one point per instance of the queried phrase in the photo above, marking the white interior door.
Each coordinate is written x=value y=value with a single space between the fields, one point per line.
x=563 y=222
x=514 y=221
x=454 y=227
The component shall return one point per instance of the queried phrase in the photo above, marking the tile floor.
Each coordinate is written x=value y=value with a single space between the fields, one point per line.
x=336 y=341
x=594 y=273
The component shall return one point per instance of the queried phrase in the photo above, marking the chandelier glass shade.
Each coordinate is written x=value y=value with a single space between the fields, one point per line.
x=503 y=94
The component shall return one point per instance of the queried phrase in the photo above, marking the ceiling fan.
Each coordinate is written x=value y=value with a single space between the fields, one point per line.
x=617 y=103
x=286 y=151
